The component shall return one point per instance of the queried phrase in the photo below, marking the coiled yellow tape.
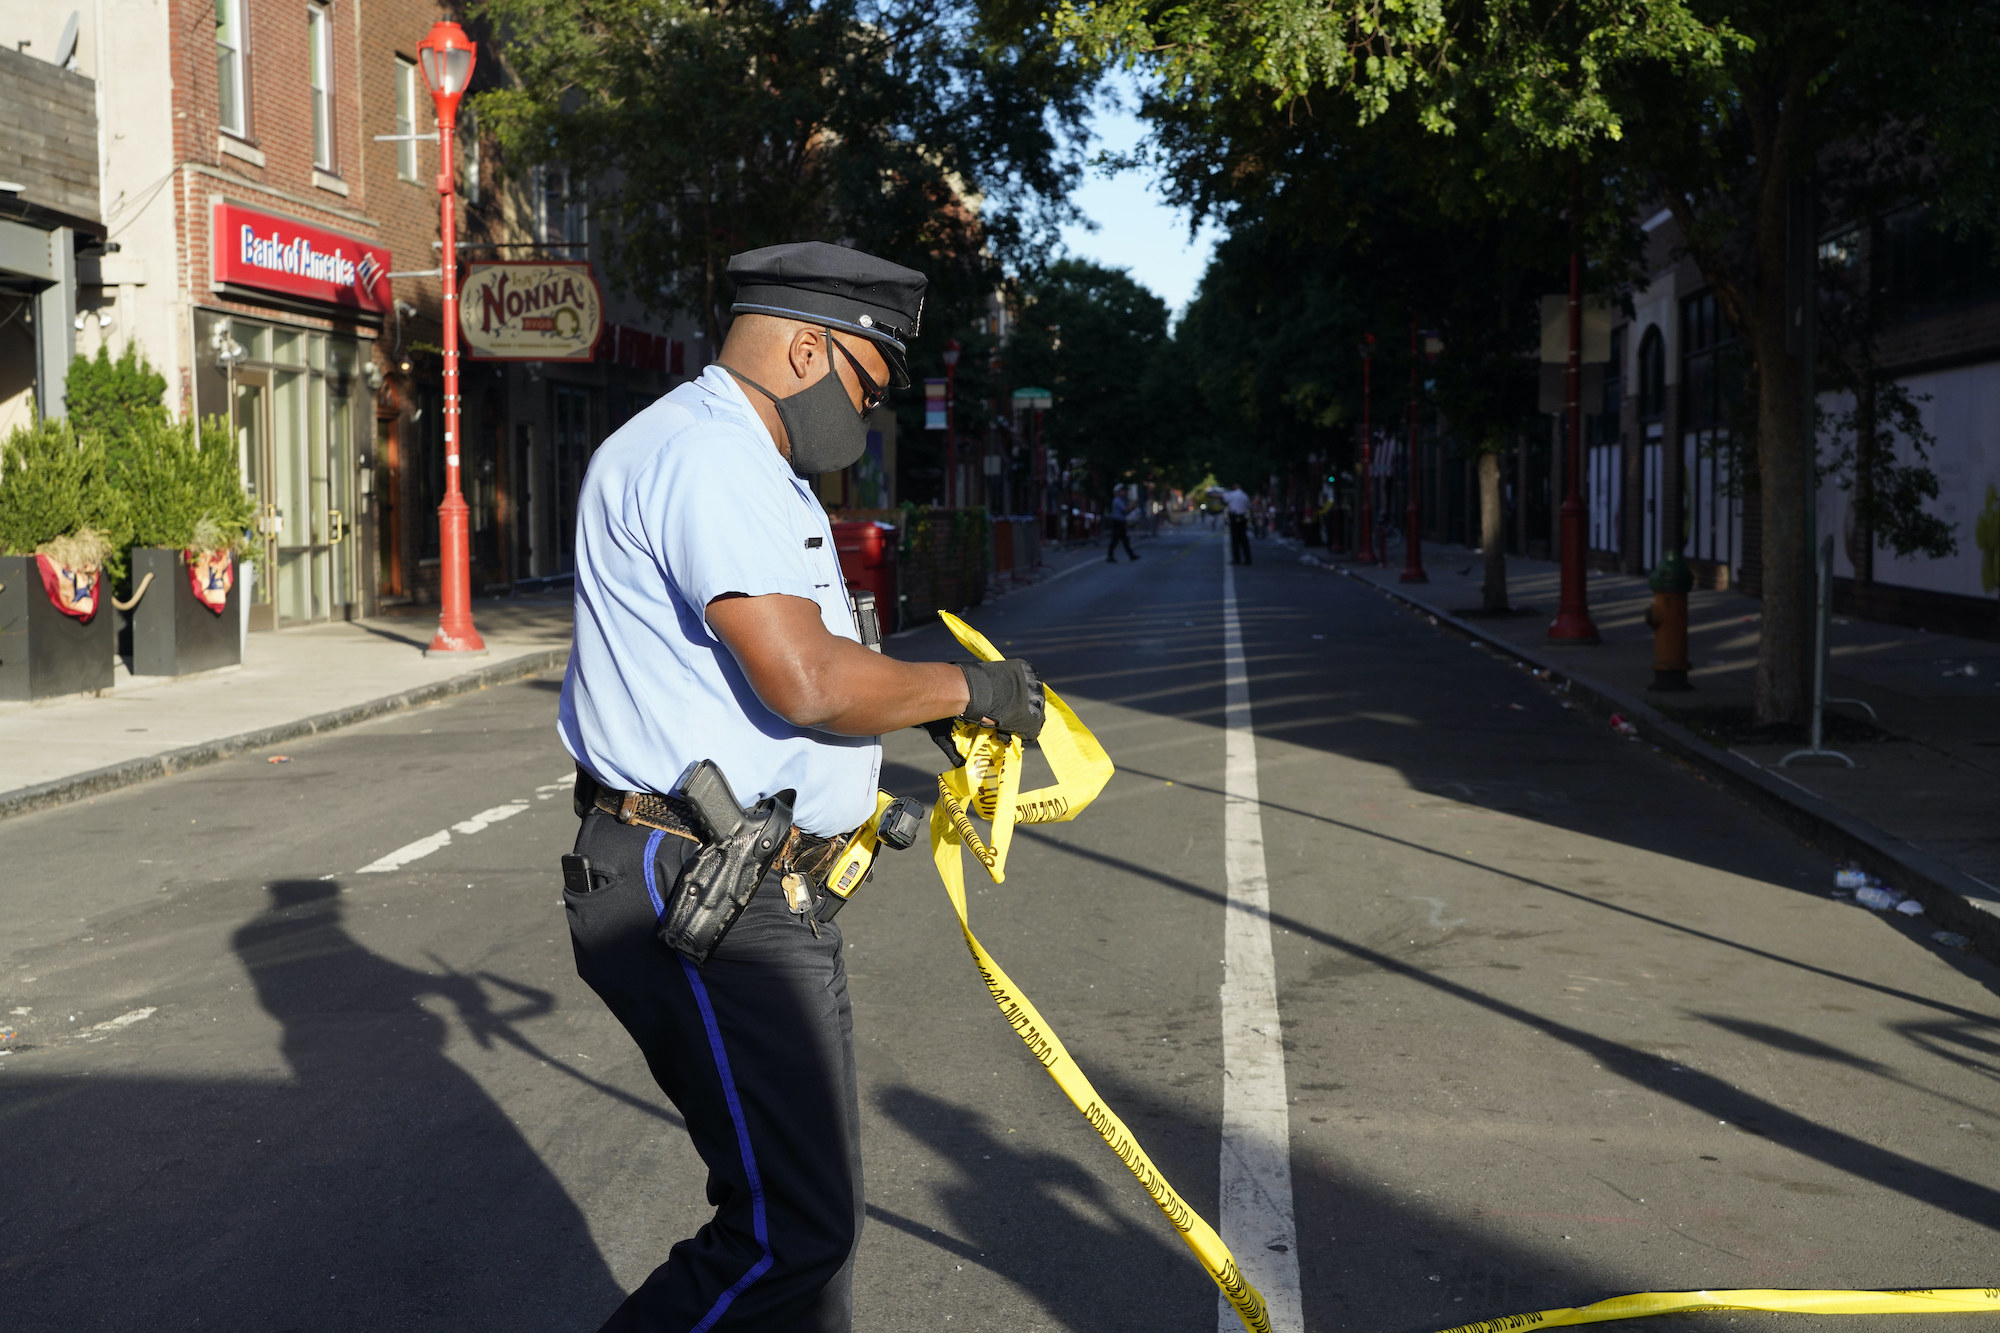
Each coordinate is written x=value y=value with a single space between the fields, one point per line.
x=1940 y=1301
x=988 y=786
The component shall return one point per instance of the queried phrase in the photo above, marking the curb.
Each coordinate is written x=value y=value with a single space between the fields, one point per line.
x=76 y=787
x=1950 y=897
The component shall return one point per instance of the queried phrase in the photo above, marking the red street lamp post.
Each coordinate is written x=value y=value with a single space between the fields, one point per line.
x=1413 y=551
x=1365 y=544
x=447 y=54
x=951 y=350
x=1573 y=623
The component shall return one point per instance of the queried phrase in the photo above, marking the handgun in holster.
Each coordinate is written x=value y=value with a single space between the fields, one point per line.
x=738 y=847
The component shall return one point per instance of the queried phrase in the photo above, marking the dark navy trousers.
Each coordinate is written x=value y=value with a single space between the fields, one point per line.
x=755 y=1048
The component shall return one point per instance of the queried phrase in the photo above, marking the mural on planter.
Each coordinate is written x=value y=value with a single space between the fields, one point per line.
x=211 y=564
x=73 y=571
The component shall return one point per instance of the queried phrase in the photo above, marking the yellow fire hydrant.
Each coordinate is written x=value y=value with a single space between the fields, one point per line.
x=1668 y=619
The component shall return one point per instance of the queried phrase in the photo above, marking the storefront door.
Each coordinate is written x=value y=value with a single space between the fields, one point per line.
x=250 y=411
x=294 y=426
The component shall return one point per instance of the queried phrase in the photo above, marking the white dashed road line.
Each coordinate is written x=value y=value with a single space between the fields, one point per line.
x=485 y=819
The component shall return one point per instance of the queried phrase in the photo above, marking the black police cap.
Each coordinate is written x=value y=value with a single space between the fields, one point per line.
x=838 y=287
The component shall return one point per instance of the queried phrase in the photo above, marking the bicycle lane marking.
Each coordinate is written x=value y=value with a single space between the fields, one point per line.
x=1258 y=1224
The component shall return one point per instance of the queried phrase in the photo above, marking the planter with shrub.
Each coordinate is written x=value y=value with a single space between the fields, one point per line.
x=186 y=512
x=60 y=524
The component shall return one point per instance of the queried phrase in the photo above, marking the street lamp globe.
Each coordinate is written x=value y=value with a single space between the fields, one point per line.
x=447 y=55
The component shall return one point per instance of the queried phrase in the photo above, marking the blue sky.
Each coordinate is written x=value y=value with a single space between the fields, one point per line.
x=1136 y=230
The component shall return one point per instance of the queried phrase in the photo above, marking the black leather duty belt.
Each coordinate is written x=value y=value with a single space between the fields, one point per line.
x=804 y=853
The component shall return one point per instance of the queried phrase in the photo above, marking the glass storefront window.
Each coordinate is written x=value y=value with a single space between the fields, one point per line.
x=293 y=418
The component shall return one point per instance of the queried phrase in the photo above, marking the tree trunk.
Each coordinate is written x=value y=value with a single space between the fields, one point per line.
x=1492 y=540
x=1785 y=475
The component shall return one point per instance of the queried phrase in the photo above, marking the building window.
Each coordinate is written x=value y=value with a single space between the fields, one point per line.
x=1652 y=375
x=231 y=68
x=1923 y=267
x=469 y=155
x=1610 y=425
x=319 y=40
x=559 y=210
x=406 y=118
x=1711 y=373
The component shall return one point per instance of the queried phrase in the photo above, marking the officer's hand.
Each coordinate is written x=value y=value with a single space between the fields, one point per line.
x=1006 y=696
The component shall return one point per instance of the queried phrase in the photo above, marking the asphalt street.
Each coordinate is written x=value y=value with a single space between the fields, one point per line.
x=299 y=1045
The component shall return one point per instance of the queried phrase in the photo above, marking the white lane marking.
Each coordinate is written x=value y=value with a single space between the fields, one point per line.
x=408 y=852
x=422 y=847
x=487 y=818
x=126 y=1020
x=1257 y=1221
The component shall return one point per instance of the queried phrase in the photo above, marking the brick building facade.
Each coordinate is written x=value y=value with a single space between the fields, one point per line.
x=274 y=260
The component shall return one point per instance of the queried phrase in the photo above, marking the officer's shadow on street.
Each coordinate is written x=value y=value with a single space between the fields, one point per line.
x=377 y=1187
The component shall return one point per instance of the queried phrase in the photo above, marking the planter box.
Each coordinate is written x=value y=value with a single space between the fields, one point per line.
x=44 y=653
x=172 y=632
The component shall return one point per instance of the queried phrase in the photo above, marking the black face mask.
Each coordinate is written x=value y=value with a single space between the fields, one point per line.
x=825 y=431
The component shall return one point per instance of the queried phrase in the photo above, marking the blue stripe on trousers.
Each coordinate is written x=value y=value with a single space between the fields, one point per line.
x=750 y=1173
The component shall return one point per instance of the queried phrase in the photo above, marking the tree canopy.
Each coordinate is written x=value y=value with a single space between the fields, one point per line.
x=1093 y=336
x=1720 y=109
x=930 y=132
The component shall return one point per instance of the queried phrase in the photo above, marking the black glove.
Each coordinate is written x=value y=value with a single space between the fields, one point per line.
x=1006 y=696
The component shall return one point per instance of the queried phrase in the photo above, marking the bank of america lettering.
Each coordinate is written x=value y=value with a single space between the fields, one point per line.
x=295 y=257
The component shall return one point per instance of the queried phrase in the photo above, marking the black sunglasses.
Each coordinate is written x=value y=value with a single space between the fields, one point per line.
x=872 y=393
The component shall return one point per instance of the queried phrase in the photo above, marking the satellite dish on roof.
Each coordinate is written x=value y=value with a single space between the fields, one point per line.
x=66 y=45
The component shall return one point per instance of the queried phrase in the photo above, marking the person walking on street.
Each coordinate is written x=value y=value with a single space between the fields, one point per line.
x=1237 y=504
x=1121 y=517
x=715 y=639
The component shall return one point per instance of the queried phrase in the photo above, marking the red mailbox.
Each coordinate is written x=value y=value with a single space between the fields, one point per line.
x=867 y=550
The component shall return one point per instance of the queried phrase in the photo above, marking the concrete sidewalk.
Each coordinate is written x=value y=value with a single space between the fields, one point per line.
x=1926 y=792
x=293 y=682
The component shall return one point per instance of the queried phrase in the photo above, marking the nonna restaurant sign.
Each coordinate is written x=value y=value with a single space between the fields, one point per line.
x=278 y=254
x=530 y=311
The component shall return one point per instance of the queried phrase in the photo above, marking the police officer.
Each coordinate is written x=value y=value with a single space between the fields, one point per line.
x=712 y=623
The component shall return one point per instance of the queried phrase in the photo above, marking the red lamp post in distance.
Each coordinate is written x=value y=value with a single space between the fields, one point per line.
x=1364 y=553
x=951 y=350
x=447 y=55
x=1573 y=623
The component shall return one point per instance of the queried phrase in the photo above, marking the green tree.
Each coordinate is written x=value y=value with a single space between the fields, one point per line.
x=115 y=398
x=178 y=480
x=1719 y=109
x=1091 y=335
x=55 y=484
x=926 y=131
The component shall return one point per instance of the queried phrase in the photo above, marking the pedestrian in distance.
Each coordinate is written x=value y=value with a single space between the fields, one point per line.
x=1121 y=517
x=717 y=655
x=1237 y=505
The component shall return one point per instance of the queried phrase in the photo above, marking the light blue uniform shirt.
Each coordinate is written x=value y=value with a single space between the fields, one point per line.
x=685 y=502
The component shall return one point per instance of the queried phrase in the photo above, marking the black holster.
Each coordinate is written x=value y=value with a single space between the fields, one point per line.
x=718 y=882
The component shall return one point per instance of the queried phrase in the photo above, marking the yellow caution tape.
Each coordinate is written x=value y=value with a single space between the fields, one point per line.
x=989 y=786
x=1939 y=1301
